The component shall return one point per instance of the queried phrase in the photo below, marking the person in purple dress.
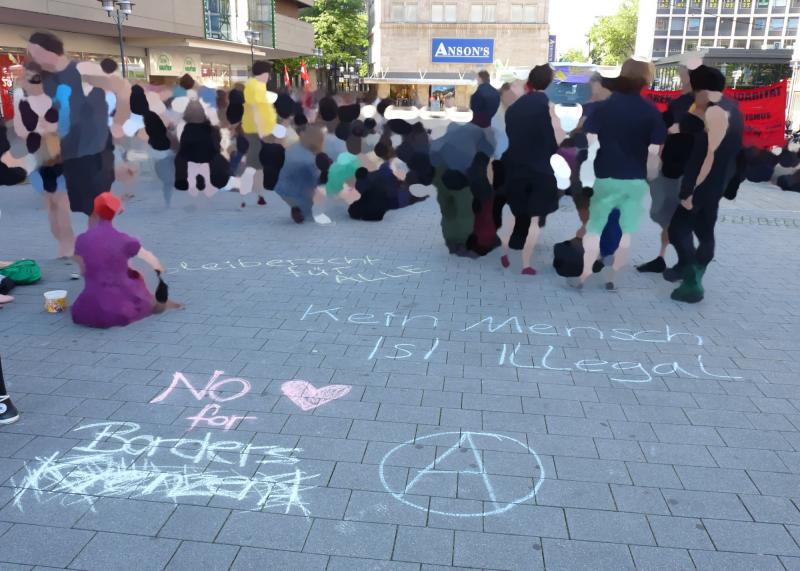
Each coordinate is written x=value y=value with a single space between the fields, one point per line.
x=114 y=294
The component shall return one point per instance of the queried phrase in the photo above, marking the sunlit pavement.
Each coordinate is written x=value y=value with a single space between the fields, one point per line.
x=350 y=396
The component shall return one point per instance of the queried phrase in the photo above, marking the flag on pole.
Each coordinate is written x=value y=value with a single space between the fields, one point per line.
x=286 y=81
x=304 y=75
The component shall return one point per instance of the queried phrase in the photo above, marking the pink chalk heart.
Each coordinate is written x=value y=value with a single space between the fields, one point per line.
x=308 y=397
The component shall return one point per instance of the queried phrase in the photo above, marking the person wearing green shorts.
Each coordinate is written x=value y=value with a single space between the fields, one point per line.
x=625 y=194
x=626 y=126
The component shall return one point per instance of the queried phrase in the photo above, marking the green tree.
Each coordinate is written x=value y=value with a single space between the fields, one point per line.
x=613 y=38
x=574 y=56
x=340 y=30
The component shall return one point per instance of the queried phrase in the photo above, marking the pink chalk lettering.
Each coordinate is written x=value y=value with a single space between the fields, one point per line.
x=221 y=421
x=308 y=397
x=210 y=389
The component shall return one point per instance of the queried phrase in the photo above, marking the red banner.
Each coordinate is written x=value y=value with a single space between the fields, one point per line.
x=7 y=61
x=763 y=110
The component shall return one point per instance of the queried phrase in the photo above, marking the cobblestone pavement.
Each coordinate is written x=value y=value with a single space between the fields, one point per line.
x=350 y=397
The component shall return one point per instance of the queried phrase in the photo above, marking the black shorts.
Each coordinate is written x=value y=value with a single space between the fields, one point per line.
x=50 y=176
x=87 y=177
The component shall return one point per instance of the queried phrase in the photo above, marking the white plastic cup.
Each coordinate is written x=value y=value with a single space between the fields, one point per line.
x=55 y=301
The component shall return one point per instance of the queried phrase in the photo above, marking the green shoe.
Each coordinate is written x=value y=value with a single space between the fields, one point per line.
x=691 y=290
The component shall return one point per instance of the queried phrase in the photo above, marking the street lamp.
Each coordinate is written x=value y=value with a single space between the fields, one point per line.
x=252 y=36
x=119 y=10
x=319 y=53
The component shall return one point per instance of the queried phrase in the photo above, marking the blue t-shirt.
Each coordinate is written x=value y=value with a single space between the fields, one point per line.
x=626 y=125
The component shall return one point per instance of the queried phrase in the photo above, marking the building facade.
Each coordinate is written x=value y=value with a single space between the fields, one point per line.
x=425 y=51
x=671 y=27
x=163 y=38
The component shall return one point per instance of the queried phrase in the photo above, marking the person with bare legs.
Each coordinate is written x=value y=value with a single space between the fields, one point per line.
x=534 y=133
x=626 y=127
x=258 y=122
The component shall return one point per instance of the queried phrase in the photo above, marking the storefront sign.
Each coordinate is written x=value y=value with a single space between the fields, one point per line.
x=763 y=110
x=174 y=64
x=459 y=50
x=551 y=48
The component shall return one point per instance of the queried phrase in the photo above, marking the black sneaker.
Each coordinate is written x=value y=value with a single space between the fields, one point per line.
x=261 y=201
x=656 y=266
x=297 y=215
x=673 y=274
x=8 y=412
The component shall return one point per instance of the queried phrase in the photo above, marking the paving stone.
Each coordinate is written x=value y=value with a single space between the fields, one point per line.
x=721 y=561
x=589 y=470
x=660 y=558
x=422 y=545
x=585 y=555
x=196 y=523
x=764 y=538
x=265 y=530
x=193 y=556
x=354 y=564
x=706 y=505
x=715 y=479
x=125 y=552
x=770 y=509
x=24 y=544
x=688 y=533
x=351 y=539
x=488 y=550
x=639 y=499
x=125 y=516
x=613 y=527
x=250 y=559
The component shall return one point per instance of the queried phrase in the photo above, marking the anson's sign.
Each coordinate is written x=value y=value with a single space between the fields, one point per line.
x=459 y=50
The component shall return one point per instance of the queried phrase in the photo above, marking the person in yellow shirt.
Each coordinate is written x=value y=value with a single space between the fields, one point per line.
x=258 y=122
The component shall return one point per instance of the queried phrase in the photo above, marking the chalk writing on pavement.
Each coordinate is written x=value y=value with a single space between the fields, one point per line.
x=472 y=462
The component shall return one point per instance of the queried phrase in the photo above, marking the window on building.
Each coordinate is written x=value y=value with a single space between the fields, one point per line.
x=516 y=12
x=794 y=6
x=745 y=6
x=489 y=12
x=709 y=26
x=476 y=13
x=778 y=6
x=723 y=43
x=740 y=44
x=776 y=26
x=450 y=13
x=706 y=43
x=437 y=12
x=676 y=26
x=695 y=6
x=759 y=27
x=218 y=19
x=690 y=46
x=725 y=26
x=659 y=48
x=727 y=6
x=791 y=26
x=661 y=26
x=663 y=6
x=693 y=27
x=762 y=6
x=712 y=6
x=788 y=44
x=530 y=12
x=675 y=47
x=756 y=44
x=679 y=6
x=742 y=27
x=404 y=12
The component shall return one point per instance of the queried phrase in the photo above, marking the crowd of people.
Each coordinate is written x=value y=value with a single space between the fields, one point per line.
x=319 y=152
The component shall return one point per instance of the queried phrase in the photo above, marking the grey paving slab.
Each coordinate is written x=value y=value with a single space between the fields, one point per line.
x=194 y=556
x=691 y=468
x=124 y=552
x=24 y=544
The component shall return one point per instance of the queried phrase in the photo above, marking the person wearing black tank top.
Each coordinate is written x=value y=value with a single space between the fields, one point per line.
x=708 y=172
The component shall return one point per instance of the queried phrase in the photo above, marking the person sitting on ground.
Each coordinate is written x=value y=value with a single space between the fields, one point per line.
x=300 y=174
x=114 y=294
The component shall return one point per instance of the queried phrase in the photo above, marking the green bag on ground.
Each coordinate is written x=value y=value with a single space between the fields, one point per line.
x=23 y=272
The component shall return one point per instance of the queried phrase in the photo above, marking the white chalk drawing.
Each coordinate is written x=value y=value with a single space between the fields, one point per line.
x=341 y=269
x=522 y=355
x=118 y=463
x=460 y=442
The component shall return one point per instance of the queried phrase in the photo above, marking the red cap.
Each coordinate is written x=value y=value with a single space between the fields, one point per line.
x=107 y=205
